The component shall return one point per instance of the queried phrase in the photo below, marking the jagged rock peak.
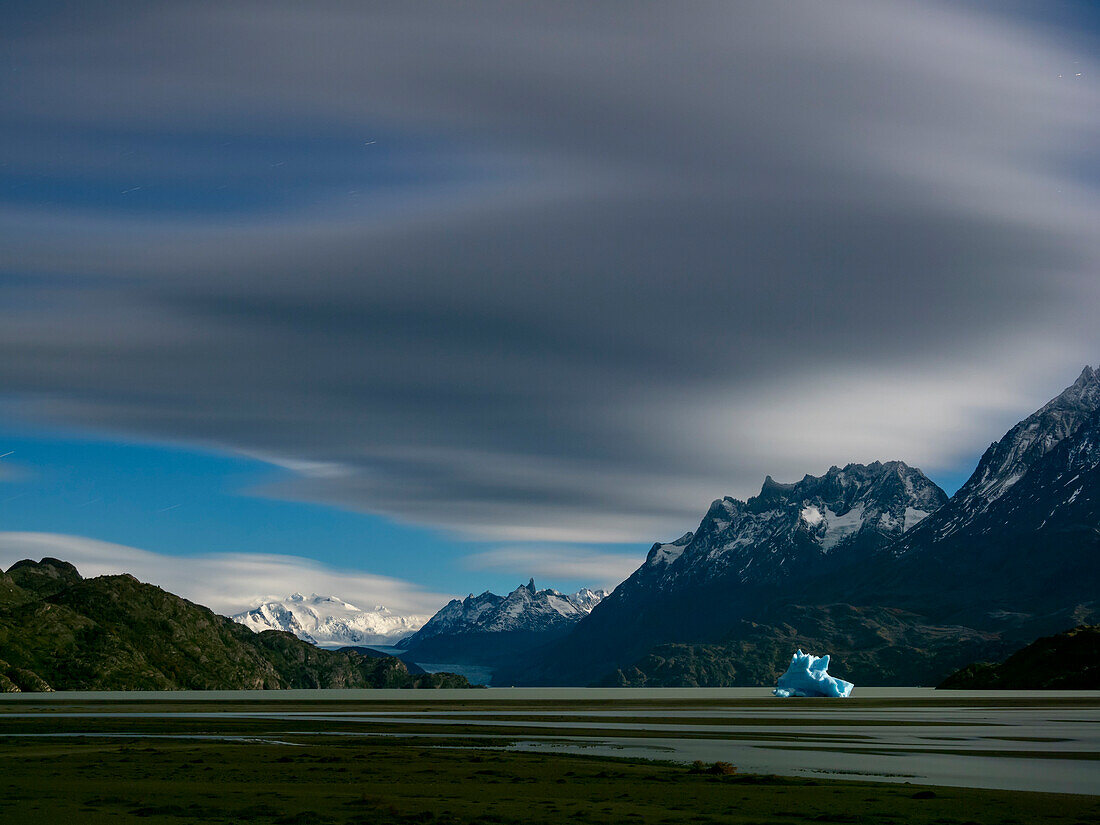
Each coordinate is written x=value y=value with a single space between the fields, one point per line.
x=771 y=485
x=1087 y=383
x=1006 y=461
x=856 y=482
x=787 y=526
x=1082 y=395
x=524 y=609
x=1027 y=468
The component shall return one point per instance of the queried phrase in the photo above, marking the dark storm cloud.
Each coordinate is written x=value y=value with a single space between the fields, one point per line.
x=560 y=272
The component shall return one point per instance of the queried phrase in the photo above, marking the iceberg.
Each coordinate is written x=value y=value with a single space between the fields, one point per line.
x=808 y=676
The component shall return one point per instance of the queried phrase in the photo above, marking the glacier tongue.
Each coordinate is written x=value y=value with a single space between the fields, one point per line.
x=840 y=527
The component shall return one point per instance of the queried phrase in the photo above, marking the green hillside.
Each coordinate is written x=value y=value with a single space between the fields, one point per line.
x=59 y=631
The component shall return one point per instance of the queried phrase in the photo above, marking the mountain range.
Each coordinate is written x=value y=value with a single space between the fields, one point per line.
x=329 y=621
x=872 y=563
x=490 y=629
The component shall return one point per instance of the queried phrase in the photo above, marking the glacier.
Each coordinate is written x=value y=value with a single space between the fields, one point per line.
x=808 y=675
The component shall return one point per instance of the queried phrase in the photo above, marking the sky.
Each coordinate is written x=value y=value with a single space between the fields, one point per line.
x=420 y=299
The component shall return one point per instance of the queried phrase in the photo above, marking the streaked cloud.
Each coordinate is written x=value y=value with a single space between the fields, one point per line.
x=225 y=582
x=548 y=273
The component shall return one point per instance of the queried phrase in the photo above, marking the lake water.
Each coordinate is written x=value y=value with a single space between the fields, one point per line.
x=475 y=674
x=1029 y=740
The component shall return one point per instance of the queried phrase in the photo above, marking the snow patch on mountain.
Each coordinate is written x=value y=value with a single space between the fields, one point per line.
x=329 y=621
x=586 y=598
x=665 y=554
x=841 y=527
x=913 y=515
x=812 y=516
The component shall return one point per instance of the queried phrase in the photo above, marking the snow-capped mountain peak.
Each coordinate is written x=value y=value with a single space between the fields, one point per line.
x=315 y=601
x=525 y=609
x=1008 y=459
x=329 y=621
x=586 y=598
x=789 y=525
x=1041 y=473
x=1018 y=452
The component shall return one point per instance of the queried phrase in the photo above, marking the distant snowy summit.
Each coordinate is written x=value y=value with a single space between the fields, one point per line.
x=329 y=621
x=525 y=610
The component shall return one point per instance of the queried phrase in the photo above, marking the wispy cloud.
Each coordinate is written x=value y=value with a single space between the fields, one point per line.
x=224 y=582
x=10 y=470
x=588 y=566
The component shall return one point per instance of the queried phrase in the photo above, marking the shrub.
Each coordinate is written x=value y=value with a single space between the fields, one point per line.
x=717 y=769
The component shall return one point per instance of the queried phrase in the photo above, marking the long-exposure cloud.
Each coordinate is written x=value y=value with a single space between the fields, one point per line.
x=547 y=272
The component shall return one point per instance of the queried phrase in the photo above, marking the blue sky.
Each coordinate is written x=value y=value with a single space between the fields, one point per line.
x=418 y=301
x=188 y=503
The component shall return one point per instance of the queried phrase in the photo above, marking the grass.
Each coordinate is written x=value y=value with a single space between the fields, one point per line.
x=289 y=772
x=370 y=782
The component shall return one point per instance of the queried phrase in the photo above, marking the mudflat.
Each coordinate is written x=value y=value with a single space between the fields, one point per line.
x=504 y=757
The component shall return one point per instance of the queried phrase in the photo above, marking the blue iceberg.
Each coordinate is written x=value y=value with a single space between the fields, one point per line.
x=808 y=676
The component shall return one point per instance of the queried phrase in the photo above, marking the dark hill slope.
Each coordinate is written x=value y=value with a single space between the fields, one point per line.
x=1067 y=661
x=868 y=645
x=61 y=632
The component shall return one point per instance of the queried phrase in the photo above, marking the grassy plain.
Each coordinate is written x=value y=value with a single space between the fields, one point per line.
x=287 y=771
